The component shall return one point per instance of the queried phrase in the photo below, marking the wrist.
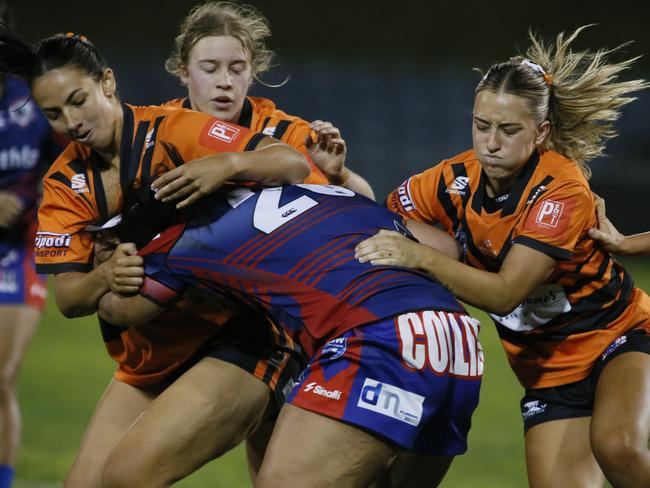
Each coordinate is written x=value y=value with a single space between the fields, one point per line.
x=341 y=178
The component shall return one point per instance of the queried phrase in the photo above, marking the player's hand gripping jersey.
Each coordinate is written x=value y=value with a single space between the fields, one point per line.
x=261 y=115
x=77 y=192
x=555 y=336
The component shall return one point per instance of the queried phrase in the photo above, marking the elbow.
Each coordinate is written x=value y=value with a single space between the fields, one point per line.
x=298 y=169
x=71 y=311
x=503 y=304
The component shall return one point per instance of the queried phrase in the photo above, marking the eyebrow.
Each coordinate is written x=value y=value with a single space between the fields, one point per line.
x=215 y=61
x=67 y=100
x=507 y=124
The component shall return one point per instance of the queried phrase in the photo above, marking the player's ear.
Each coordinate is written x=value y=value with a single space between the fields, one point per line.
x=109 y=85
x=184 y=75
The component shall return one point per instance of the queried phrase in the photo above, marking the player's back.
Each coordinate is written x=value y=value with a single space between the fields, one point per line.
x=292 y=248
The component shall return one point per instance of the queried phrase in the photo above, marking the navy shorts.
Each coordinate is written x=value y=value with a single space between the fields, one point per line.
x=576 y=399
x=413 y=380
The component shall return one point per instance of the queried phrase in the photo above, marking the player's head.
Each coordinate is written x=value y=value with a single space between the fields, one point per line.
x=553 y=98
x=70 y=81
x=219 y=51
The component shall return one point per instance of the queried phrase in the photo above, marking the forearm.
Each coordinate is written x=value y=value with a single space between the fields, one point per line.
x=127 y=311
x=272 y=165
x=357 y=184
x=636 y=244
x=77 y=294
x=488 y=291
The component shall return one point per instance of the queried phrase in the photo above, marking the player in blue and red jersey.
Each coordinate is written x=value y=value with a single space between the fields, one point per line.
x=26 y=146
x=395 y=363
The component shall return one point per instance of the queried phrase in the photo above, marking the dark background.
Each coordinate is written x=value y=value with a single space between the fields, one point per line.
x=395 y=77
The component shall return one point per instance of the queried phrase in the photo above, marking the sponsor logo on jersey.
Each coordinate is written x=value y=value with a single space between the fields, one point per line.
x=404 y=197
x=458 y=186
x=535 y=195
x=38 y=290
x=148 y=140
x=549 y=213
x=534 y=407
x=223 y=132
x=317 y=389
x=544 y=304
x=8 y=282
x=78 y=183
x=614 y=345
x=442 y=342
x=15 y=158
x=335 y=348
x=391 y=401
x=269 y=131
x=51 y=239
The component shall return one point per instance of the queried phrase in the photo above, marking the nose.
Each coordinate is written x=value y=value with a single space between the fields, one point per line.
x=224 y=79
x=72 y=121
x=494 y=142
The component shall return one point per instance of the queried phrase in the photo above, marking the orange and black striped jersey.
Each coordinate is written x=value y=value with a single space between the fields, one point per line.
x=558 y=332
x=261 y=115
x=76 y=192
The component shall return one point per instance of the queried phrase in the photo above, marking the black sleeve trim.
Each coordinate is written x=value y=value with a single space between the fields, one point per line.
x=64 y=268
x=554 y=252
x=281 y=128
x=254 y=141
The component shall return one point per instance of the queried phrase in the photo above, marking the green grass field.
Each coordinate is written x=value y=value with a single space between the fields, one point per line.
x=66 y=369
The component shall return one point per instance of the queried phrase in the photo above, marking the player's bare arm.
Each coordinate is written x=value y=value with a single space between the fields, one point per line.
x=127 y=311
x=272 y=163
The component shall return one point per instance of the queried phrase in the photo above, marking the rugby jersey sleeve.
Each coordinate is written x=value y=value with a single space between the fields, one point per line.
x=195 y=135
x=557 y=221
x=417 y=198
x=61 y=245
x=294 y=133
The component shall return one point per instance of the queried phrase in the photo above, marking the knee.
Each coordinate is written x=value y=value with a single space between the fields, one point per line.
x=619 y=453
x=7 y=387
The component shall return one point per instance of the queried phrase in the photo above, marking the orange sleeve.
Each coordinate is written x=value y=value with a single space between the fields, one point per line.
x=558 y=219
x=417 y=197
x=196 y=135
x=60 y=245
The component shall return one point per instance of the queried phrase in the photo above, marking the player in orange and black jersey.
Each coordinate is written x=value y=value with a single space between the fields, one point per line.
x=114 y=144
x=218 y=53
x=575 y=329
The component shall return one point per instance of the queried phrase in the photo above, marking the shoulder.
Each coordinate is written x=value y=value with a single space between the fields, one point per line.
x=563 y=171
x=73 y=152
x=265 y=107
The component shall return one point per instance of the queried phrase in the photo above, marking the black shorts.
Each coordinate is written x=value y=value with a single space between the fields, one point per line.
x=256 y=345
x=576 y=399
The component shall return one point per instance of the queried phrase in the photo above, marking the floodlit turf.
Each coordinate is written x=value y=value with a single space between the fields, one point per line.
x=66 y=369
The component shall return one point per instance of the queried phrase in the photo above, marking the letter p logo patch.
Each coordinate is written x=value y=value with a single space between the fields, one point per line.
x=549 y=213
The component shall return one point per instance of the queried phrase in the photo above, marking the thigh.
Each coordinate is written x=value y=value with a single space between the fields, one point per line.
x=622 y=402
x=208 y=410
x=558 y=454
x=330 y=454
x=120 y=405
x=17 y=326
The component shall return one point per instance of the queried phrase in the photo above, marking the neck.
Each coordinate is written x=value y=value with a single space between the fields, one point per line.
x=111 y=153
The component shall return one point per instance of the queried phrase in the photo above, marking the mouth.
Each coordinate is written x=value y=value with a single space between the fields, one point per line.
x=83 y=137
x=222 y=101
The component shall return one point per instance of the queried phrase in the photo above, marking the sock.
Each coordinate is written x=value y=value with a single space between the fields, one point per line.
x=6 y=475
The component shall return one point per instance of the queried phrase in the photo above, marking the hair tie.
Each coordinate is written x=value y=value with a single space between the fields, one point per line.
x=77 y=37
x=547 y=78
